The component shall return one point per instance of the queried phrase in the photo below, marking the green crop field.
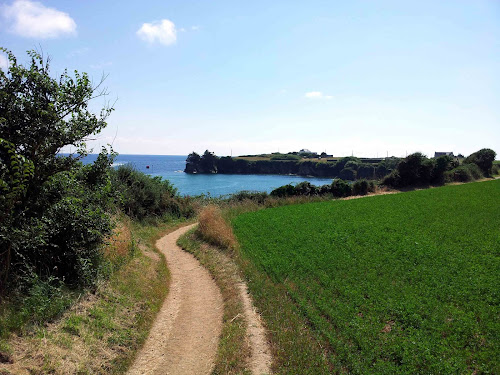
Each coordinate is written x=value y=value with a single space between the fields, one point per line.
x=394 y=284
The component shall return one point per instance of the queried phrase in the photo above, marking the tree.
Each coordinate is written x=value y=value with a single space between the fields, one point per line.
x=52 y=206
x=41 y=115
x=209 y=162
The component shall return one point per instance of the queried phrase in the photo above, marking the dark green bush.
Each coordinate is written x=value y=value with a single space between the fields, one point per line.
x=339 y=188
x=283 y=191
x=305 y=188
x=140 y=195
x=361 y=187
x=484 y=159
x=464 y=173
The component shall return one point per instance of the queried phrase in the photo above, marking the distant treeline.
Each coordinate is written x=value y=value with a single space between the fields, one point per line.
x=348 y=168
x=414 y=170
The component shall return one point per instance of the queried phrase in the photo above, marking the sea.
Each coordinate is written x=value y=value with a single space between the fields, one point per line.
x=171 y=167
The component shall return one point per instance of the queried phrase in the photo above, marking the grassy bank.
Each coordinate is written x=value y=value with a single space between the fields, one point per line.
x=101 y=331
x=404 y=283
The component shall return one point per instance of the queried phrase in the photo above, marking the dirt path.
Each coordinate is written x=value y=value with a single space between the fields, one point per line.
x=185 y=335
x=260 y=359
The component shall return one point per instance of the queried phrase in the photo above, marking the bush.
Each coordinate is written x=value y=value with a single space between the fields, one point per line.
x=339 y=188
x=442 y=165
x=484 y=159
x=305 y=188
x=362 y=187
x=495 y=170
x=283 y=191
x=464 y=173
x=140 y=195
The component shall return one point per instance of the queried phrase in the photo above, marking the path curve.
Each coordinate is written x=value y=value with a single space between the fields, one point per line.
x=185 y=335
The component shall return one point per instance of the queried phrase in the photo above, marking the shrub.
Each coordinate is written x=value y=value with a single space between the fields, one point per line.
x=362 y=187
x=140 y=195
x=305 y=188
x=484 y=159
x=283 y=191
x=495 y=170
x=339 y=188
x=464 y=173
x=442 y=165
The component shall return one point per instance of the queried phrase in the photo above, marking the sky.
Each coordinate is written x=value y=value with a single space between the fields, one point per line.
x=362 y=78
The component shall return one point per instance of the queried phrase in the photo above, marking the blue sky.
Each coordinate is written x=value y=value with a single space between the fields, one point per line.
x=361 y=77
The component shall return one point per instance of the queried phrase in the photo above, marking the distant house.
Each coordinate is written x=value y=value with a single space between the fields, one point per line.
x=438 y=154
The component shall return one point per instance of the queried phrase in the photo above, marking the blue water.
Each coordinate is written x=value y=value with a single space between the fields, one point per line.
x=171 y=167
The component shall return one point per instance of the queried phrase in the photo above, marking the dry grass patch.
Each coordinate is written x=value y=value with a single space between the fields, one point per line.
x=213 y=229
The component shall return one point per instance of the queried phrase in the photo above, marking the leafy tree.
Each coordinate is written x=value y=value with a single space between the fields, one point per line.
x=209 y=162
x=193 y=158
x=53 y=208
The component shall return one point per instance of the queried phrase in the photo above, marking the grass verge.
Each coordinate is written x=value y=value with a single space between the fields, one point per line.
x=101 y=331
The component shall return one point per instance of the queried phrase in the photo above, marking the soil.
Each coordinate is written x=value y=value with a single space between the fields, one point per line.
x=185 y=335
x=260 y=360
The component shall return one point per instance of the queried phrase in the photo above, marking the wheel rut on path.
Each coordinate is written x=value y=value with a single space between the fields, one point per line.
x=185 y=335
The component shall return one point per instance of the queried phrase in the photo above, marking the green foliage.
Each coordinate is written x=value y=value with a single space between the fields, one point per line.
x=340 y=188
x=53 y=217
x=495 y=170
x=141 y=196
x=484 y=159
x=464 y=173
x=347 y=174
x=394 y=284
x=42 y=301
x=362 y=187
x=416 y=169
x=283 y=191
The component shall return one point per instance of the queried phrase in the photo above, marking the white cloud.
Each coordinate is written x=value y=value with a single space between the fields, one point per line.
x=163 y=32
x=195 y=28
x=317 y=95
x=34 y=20
x=4 y=62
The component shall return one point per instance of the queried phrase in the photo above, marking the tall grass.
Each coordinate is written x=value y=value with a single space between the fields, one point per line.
x=213 y=229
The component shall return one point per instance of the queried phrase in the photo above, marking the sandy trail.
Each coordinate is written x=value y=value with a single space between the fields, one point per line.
x=260 y=359
x=185 y=335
